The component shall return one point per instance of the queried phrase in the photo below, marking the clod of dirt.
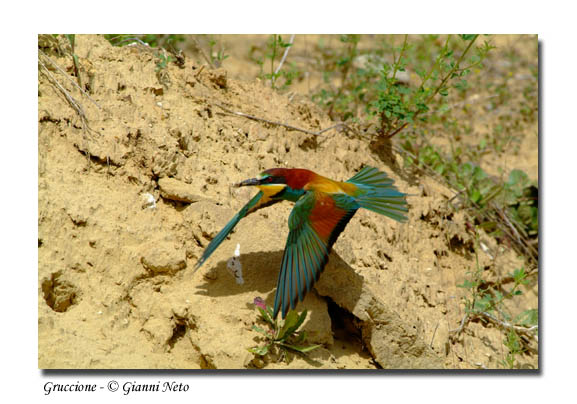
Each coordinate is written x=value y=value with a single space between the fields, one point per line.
x=162 y=258
x=59 y=293
x=218 y=77
x=176 y=190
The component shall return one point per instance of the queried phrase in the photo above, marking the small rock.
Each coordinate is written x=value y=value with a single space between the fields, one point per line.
x=171 y=188
x=258 y=363
x=163 y=258
x=218 y=77
x=148 y=201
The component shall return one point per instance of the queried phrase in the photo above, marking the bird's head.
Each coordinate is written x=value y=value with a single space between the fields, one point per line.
x=270 y=181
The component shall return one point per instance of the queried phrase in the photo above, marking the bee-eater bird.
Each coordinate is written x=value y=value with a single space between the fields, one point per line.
x=322 y=209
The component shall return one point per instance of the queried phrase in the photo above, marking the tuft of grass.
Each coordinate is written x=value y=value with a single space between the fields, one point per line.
x=217 y=56
x=281 y=338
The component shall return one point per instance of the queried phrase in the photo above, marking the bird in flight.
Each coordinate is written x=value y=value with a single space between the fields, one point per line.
x=322 y=209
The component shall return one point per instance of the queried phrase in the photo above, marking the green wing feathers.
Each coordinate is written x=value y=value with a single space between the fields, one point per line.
x=377 y=192
x=309 y=244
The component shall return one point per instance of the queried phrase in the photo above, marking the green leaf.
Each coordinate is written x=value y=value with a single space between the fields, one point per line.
x=262 y=331
x=467 y=37
x=71 y=38
x=292 y=322
x=476 y=196
x=265 y=316
x=259 y=350
x=301 y=337
x=467 y=284
x=519 y=276
x=301 y=349
x=528 y=317
x=485 y=303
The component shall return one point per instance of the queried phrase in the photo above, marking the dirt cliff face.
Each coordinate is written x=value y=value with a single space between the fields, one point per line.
x=129 y=198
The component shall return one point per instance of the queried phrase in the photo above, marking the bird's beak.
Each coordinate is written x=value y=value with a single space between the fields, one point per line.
x=250 y=182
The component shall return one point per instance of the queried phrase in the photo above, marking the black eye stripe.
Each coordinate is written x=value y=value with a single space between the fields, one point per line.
x=273 y=179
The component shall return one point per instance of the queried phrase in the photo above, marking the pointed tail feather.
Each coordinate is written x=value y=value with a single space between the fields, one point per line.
x=377 y=192
x=372 y=177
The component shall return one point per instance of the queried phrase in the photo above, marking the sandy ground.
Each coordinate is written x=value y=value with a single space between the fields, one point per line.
x=127 y=205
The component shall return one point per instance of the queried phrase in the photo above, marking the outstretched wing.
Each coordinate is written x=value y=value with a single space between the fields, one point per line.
x=260 y=200
x=315 y=222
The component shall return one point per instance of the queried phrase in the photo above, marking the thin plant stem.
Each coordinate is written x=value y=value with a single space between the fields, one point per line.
x=397 y=62
x=286 y=51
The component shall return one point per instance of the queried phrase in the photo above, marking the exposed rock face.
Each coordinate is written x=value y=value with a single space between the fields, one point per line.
x=393 y=342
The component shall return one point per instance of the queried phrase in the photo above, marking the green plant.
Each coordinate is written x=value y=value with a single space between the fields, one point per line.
x=159 y=44
x=522 y=202
x=513 y=345
x=486 y=301
x=163 y=60
x=371 y=87
x=508 y=209
x=153 y=40
x=267 y=56
x=72 y=41
x=275 y=46
x=216 y=57
x=398 y=105
x=281 y=338
x=343 y=102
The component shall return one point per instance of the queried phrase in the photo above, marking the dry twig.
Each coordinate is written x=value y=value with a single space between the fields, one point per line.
x=53 y=63
x=527 y=331
x=290 y=127
x=71 y=100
